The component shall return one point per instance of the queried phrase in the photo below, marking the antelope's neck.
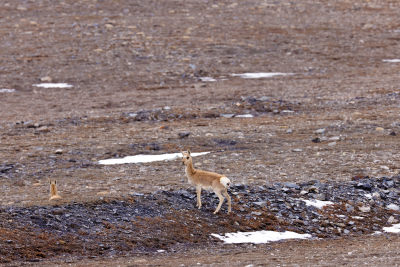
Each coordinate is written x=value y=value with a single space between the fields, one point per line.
x=190 y=170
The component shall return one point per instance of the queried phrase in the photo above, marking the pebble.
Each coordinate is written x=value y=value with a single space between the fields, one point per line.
x=58 y=151
x=320 y=131
x=379 y=129
x=332 y=144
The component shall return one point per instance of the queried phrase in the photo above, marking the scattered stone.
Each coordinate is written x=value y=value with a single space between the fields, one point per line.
x=365 y=208
x=332 y=144
x=335 y=138
x=320 y=131
x=316 y=140
x=393 y=207
x=392 y=220
x=46 y=79
x=379 y=129
x=297 y=150
x=291 y=185
x=289 y=131
x=349 y=208
x=393 y=133
x=59 y=151
x=383 y=167
x=366 y=185
x=43 y=129
x=183 y=134
x=388 y=183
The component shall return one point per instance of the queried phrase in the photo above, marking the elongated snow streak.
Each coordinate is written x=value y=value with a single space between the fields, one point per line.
x=244 y=116
x=53 y=85
x=259 y=237
x=317 y=203
x=4 y=90
x=207 y=79
x=392 y=60
x=257 y=75
x=395 y=228
x=147 y=158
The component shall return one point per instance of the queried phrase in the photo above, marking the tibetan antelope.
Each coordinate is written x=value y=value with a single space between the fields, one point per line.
x=53 y=190
x=207 y=180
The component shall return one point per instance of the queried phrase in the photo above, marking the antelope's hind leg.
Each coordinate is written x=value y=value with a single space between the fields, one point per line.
x=225 y=193
x=221 y=200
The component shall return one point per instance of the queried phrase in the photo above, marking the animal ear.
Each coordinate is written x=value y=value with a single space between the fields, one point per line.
x=188 y=152
x=55 y=181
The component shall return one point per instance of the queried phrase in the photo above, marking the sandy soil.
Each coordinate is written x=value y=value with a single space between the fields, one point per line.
x=135 y=69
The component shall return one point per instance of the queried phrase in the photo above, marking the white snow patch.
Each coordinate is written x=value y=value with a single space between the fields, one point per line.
x=257 y=75
x=317 y=203
x=395 y=228
x=147 y=158
x=396 y=60
x=244 y=116
x=207 y=79
x=5 y=90
x=368 y=196
x=53 y=85
x=259 y=237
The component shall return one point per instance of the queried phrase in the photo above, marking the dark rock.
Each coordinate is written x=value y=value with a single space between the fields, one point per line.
x=364 y=185
x=6 y=168
x=183 y=134
x=316 y=140
x=388 y=183
x=291 y=185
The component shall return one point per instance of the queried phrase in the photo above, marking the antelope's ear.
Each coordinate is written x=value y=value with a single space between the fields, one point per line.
x=55 y=181
x=188 y=152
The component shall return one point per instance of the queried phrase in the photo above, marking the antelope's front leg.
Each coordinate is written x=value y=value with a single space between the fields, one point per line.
x=198 y=191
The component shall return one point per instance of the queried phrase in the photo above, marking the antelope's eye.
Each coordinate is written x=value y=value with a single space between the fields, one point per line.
x=187 y=157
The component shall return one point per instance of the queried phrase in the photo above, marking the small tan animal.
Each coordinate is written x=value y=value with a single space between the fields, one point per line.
x=207 y=180
x=53 y=190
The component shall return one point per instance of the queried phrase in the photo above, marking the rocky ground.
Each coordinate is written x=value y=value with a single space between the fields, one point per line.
x=328 y=131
